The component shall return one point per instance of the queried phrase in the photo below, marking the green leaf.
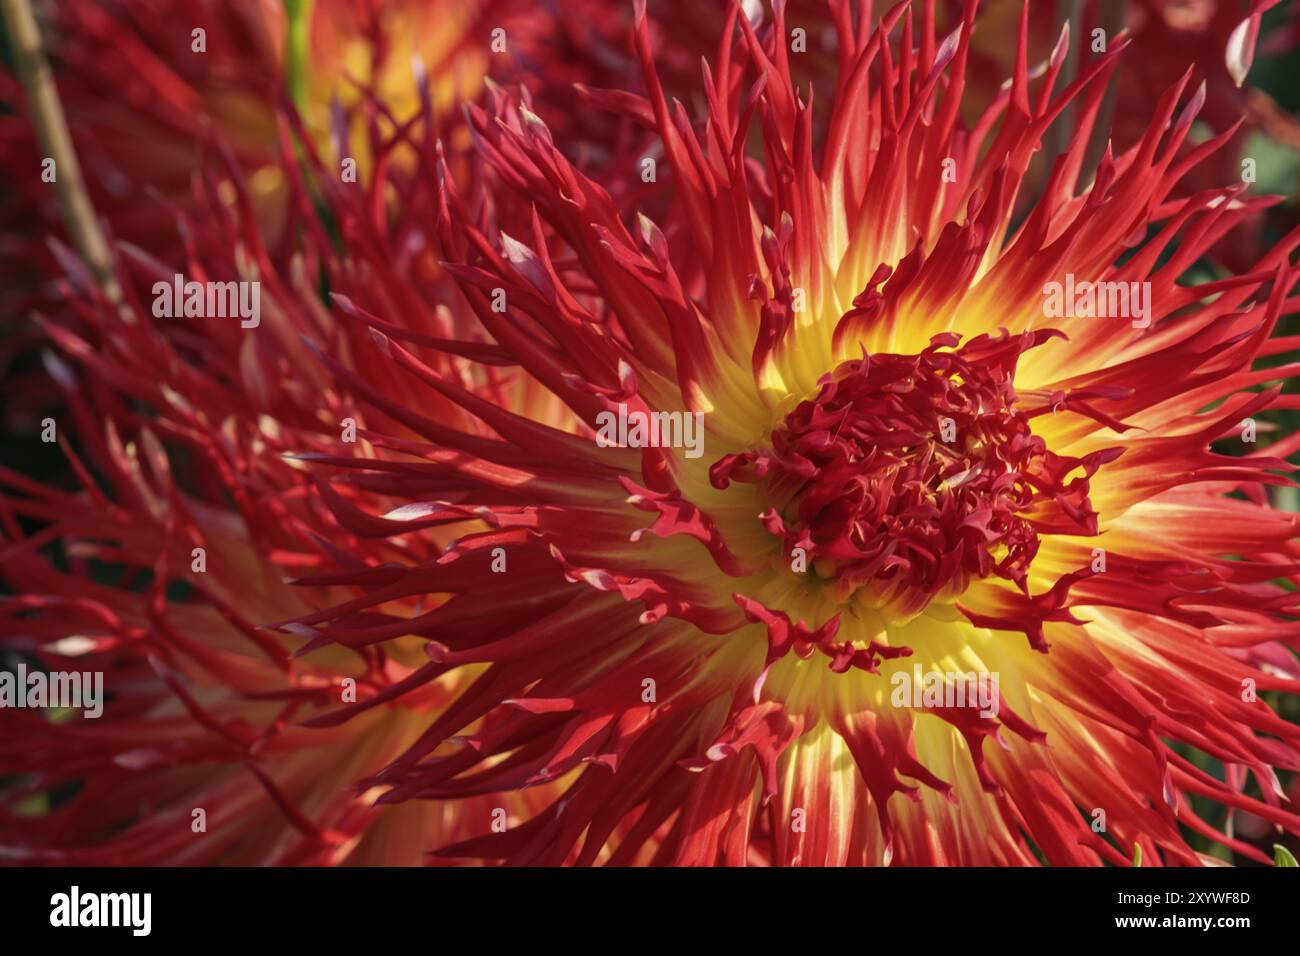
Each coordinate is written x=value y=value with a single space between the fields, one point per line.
x=1276 y=165
x=1137 y=855
x=1282 y=856
x=1288 y=498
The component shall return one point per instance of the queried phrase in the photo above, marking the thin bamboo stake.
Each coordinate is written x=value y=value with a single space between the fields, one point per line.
x=46 y=114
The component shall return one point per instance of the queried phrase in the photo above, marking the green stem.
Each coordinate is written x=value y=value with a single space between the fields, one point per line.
x=298 y=44
x=45 y=112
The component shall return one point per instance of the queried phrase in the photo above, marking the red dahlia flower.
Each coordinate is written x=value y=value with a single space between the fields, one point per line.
x=907 y=468
x=680 y=536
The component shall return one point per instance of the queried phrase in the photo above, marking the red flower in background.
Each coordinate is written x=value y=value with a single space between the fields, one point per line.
x=191 y=521
x=155 y=90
